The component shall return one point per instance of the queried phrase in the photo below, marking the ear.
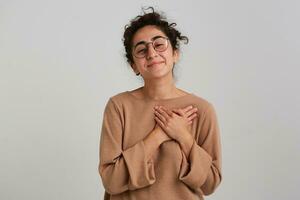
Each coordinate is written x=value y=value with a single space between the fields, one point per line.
x=176 y=55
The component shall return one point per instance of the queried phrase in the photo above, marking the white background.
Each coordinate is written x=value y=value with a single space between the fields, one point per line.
x=61 y=60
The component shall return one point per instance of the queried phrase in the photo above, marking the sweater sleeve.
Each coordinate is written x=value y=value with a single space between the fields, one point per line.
x=121 y=170
x=201 y=171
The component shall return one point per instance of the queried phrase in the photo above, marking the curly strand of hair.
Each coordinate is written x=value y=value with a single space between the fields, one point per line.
x=147 y=8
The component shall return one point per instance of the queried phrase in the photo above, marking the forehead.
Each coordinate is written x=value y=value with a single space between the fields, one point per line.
x=146 y=34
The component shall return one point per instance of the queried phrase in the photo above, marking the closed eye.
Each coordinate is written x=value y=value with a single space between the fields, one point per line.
x=141 y=51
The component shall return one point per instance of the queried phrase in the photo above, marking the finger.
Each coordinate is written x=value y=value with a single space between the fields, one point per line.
x=160 y=116
x=187 y=108
x=159 y=122
x=191 y=121
x=192 y=111
x=163 y=112
x=167 y=111
x=193 y=116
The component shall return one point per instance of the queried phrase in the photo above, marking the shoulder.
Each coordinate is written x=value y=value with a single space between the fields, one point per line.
x=119 y=100
x=203 y=105
x=207 y=116
x=119 y=97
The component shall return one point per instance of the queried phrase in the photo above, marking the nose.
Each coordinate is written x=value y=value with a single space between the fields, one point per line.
x=151 y=53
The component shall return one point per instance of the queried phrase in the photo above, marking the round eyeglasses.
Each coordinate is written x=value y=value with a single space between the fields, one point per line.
x=159 y=44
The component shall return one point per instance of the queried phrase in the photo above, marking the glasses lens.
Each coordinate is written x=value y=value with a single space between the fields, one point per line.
x=160 y=44
x=140 y=50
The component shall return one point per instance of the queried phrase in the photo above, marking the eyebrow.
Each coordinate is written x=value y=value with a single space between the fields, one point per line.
x=143 y=42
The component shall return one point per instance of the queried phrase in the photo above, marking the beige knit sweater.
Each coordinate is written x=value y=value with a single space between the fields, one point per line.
x=169 y=174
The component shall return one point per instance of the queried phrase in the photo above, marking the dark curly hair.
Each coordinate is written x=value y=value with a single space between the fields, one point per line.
x=151 y=18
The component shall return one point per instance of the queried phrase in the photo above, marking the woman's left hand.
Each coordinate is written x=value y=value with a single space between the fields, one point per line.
x=174 y=124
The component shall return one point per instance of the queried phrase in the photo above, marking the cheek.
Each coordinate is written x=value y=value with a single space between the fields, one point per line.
x=139 y=63
x=169 y=58
x=171 y=55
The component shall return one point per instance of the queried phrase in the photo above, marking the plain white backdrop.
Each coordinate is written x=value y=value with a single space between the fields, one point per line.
x=62 y=59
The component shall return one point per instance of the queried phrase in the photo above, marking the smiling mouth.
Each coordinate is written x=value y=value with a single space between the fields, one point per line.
x=153 y=64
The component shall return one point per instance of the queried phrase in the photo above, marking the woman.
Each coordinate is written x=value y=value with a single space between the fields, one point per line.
x=158 y=141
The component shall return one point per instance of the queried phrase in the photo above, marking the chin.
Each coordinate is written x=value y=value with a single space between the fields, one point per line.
x=159 y=74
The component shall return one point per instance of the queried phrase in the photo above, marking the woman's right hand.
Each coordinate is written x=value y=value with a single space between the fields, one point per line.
x=158 y=136
x=190 y=112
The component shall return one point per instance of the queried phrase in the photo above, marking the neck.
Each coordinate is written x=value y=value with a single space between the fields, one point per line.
x=160 y=89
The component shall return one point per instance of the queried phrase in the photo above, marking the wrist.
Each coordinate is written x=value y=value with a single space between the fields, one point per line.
x=185 y=140
x=158 y=137
x=186 y=144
